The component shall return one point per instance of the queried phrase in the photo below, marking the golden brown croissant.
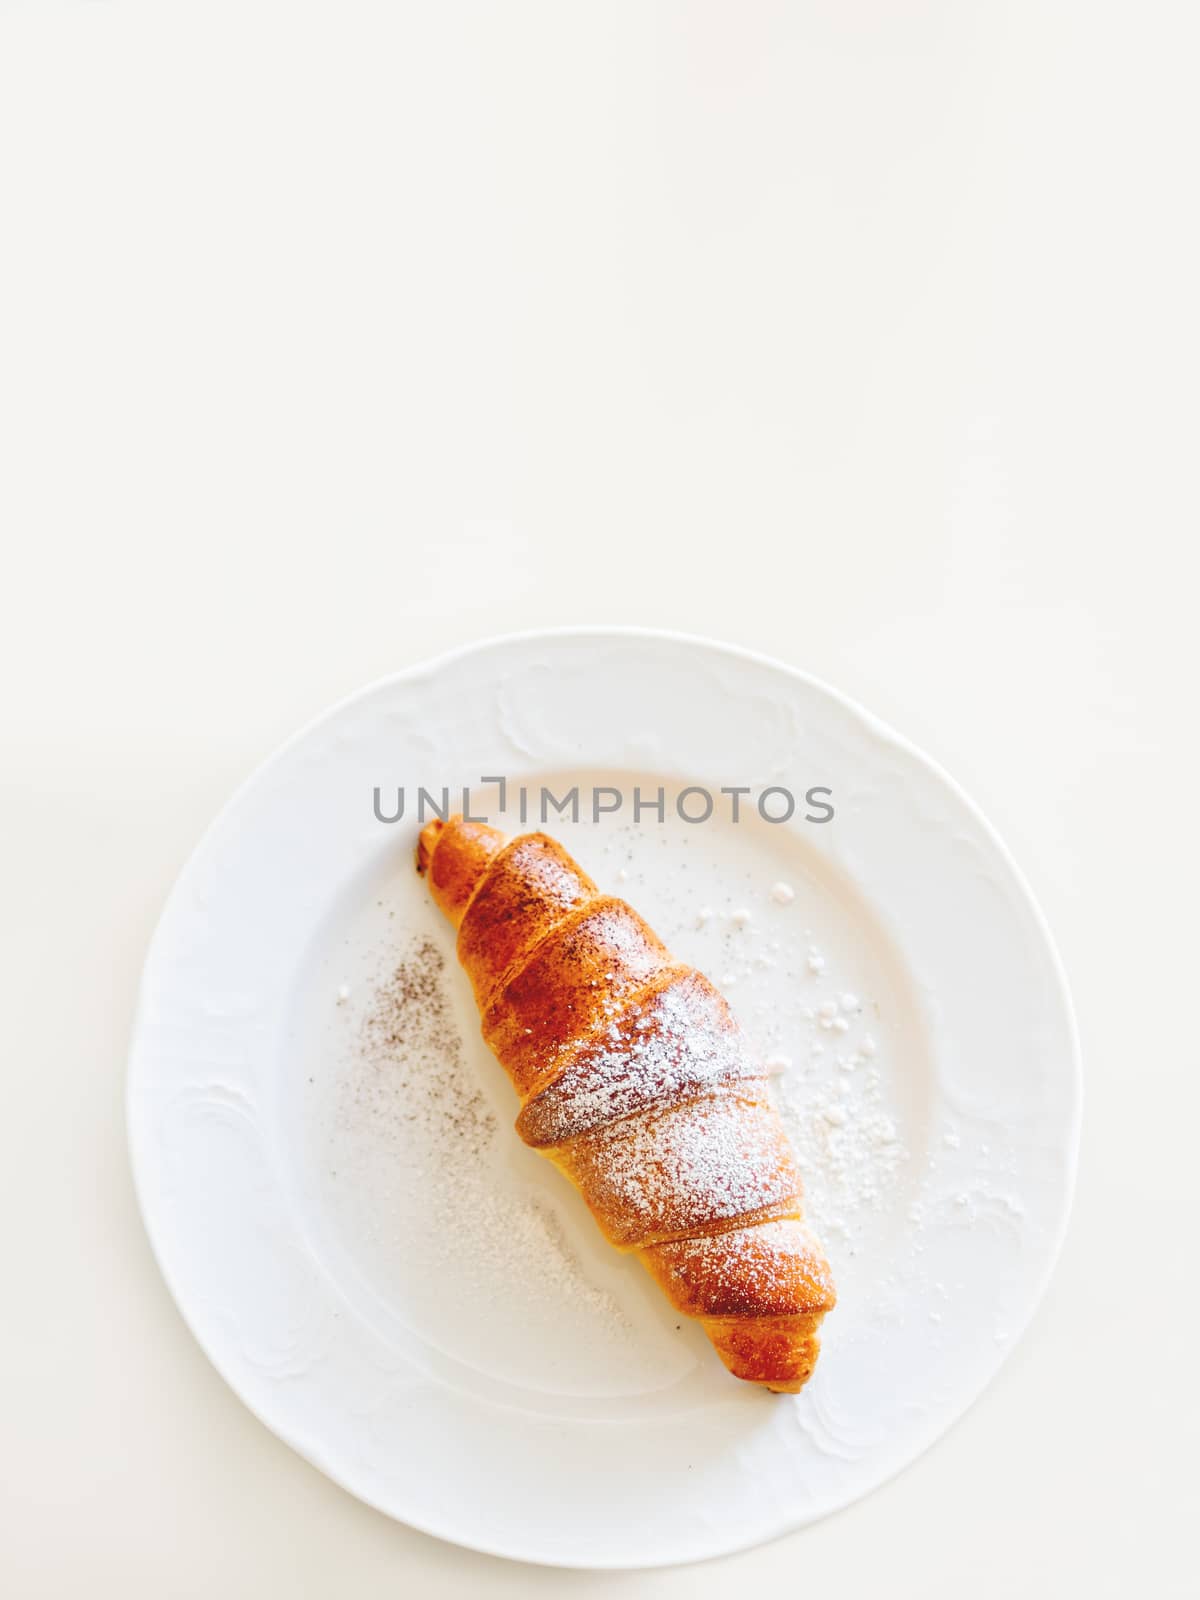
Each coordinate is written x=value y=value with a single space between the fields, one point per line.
x=635 y=1081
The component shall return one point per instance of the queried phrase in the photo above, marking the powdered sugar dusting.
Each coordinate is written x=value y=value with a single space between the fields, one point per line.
x=846 y=1142
x=667 y=1173
x=679 y=1039
x=414 y=1163
x=776 y=1268
x=829 y=1074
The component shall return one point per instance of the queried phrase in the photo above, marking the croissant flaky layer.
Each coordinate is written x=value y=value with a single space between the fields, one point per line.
x=635 y=1081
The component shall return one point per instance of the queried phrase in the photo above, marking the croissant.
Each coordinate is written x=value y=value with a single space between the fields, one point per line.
x=635 y=1081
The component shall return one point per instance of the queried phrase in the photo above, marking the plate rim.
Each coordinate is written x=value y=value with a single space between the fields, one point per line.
x=427 y=667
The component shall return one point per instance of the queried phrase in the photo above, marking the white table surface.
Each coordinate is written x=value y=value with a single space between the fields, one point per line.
x=862 y=334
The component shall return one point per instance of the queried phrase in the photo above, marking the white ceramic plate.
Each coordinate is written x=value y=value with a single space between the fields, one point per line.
x=420 y=1305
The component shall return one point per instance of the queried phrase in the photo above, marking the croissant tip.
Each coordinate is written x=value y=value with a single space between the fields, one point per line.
x=426 y=842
